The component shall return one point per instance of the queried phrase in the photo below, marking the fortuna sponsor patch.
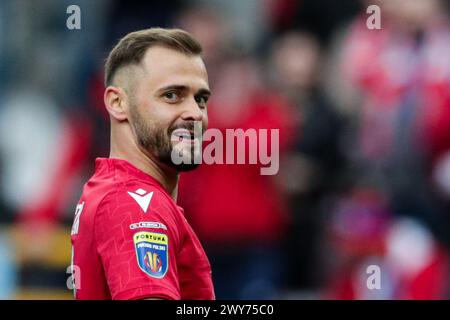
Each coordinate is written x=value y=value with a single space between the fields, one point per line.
x=152 y=252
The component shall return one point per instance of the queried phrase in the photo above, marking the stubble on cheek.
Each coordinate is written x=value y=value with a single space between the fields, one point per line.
x=150 y=135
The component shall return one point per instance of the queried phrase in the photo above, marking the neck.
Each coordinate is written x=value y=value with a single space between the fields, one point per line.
x=148 y=164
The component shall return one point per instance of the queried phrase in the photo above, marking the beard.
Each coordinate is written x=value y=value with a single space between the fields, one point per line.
x=158 y=142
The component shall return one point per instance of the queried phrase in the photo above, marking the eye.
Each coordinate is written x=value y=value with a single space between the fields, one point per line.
x=201 y=100
x=171 y=96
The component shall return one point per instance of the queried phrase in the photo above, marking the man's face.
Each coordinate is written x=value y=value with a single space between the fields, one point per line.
x=167 y=99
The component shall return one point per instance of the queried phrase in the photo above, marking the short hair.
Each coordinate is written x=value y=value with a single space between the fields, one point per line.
x=131 y=49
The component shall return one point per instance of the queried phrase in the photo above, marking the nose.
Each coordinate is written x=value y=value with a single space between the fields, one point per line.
x=192 y=111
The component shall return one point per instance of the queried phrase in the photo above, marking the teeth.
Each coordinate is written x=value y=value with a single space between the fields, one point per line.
x=182 y=133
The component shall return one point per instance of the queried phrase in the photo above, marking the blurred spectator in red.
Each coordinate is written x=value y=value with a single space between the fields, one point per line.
x=404 y=63
x=401 y=106
x=402 y=74
x=311 y=170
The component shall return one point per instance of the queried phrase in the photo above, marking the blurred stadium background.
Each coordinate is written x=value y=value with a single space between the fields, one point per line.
x=364 y=118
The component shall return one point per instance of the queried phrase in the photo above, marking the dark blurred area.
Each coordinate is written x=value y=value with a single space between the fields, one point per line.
x=364 y=120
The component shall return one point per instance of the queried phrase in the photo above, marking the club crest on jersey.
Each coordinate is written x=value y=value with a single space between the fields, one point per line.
x=152 y=252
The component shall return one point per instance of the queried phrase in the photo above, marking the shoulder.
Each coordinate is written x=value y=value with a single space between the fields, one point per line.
x=136 y=196
x=135 y=202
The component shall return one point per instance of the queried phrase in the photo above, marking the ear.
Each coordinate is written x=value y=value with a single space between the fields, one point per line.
x=116 y=103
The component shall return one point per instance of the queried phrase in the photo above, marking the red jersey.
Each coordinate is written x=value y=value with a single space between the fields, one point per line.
x=131 y=241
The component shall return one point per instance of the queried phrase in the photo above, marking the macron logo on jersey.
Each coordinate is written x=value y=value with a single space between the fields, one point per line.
x=142 y=198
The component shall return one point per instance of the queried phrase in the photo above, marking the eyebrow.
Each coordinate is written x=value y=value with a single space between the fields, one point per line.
x=202 y=91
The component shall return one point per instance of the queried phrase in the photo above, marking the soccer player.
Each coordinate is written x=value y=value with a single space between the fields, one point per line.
x=129 y=238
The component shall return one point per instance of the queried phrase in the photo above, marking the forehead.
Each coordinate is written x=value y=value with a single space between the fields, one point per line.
x=164 y=66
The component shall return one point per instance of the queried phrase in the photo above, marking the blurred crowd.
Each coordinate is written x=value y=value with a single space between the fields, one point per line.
x=364 y=120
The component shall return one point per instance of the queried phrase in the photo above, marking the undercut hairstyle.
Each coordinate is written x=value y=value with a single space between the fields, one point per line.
x=131 y=49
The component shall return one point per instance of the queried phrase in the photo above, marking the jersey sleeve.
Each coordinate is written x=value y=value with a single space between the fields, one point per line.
x=137 y=239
